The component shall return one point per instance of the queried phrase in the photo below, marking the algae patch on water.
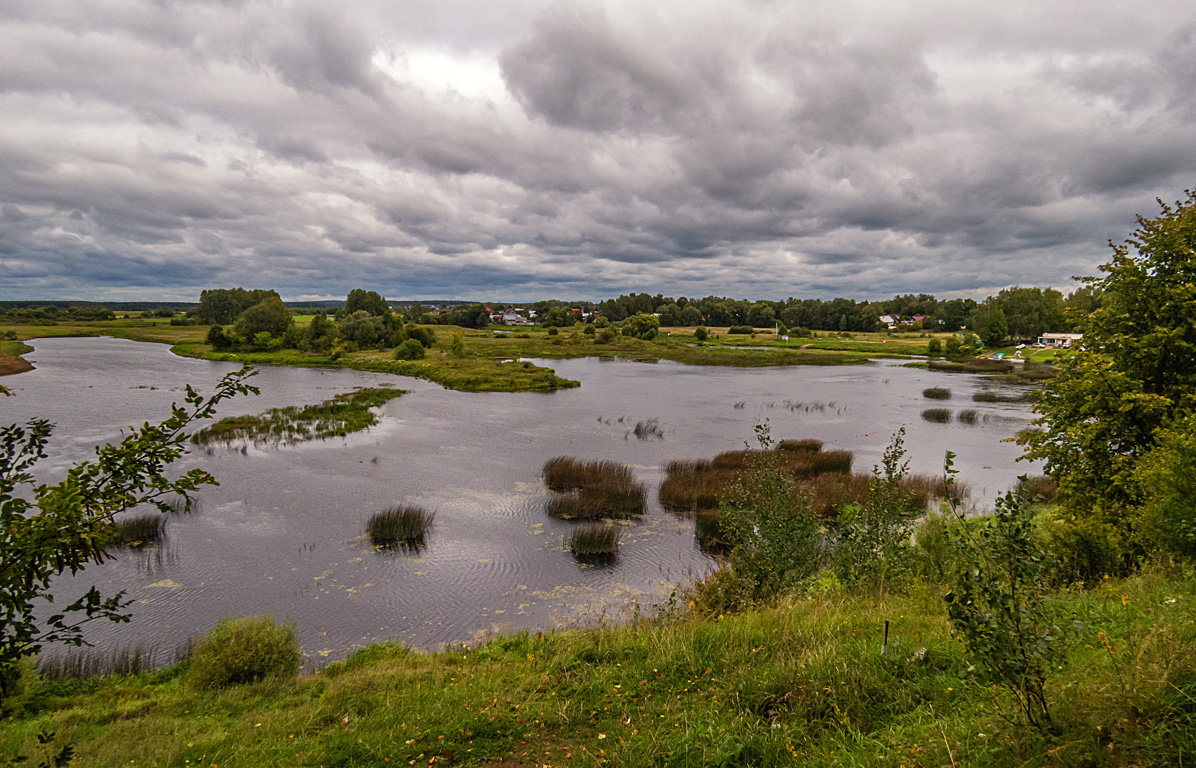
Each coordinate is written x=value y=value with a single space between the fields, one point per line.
x=341 y=415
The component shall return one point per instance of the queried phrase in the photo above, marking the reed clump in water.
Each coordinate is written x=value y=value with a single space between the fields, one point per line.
x=588 y=490
x=138 y=531
x=968 y=416
x=83 y=663
x=400 y=526
x=698 y=486
x=937 y=415
x=597 y=541
x=936 y=393
x=988 y=396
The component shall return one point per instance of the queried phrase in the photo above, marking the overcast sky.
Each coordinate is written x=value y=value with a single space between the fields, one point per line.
x=523 y=149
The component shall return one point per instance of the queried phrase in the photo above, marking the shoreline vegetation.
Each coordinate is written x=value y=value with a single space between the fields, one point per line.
x=804 y=681
x=336 y=417
x=496 y=359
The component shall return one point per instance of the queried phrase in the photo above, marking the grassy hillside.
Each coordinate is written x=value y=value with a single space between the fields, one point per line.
x=801 y=683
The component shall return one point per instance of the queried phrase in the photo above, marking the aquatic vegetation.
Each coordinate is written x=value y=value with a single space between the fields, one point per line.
x=138 y=531
x=968 y=416
x=648 y=429
x=593 y=489
x=698 y=486
x=82 y=663
x=936 y=393
x=338 y=416
x=597 y=541
x=937 y=415
x=399 y=526
x=988 y=396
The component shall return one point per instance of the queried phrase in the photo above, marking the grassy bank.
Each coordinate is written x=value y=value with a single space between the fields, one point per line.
x=803 y=682
x=494 y=360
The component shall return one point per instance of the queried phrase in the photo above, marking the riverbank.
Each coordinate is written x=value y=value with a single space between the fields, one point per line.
x=495 y=360
x=803 y=682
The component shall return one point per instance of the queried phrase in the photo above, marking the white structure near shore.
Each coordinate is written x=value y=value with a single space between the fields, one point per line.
x=1059 y=339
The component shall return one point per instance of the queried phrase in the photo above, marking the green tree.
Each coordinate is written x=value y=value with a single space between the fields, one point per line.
x=46 y=530
x=1133 y=372
x=990 y=324
x=269 y=315
x=361 y=300
x=641 y=326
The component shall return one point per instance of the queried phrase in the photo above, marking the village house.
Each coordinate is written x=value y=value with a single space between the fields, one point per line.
x=1062 y=340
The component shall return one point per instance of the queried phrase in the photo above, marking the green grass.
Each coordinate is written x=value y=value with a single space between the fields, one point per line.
x=595 y=541
x=937 y=415
x=336 y=417
x=589 y=490
x=799 y=683
x=400 y=526
x=936 y=393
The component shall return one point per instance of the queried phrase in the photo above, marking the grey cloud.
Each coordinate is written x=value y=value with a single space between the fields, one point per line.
x=745 y=149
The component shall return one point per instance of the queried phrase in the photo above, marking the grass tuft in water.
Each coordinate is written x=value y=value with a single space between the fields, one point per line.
x=968 y=416
x=400 y=526
x=599 y=541
x=84 y=663
x=937 y=415
x=592 y=489
x=936 y=393
x=138 y=531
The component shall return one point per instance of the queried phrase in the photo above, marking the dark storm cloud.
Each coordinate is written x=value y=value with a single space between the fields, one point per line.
x=533 y=148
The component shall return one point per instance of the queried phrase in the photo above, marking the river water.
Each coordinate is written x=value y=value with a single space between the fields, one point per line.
x=283 y=532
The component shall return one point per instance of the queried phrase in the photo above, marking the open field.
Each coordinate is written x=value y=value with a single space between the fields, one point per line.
x=801 y=683
x=493 y=359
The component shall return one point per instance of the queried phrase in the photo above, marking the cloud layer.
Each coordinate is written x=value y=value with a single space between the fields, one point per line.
x=523 y=150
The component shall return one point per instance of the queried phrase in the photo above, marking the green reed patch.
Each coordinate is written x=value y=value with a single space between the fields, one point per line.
x=400 y=526
x=341 y=415
x=592 y=489
x=138 y=531
x=598 y=541
x=936 y=393
x=937 y=415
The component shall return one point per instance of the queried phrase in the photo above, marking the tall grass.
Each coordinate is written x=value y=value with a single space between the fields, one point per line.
x=400 y=526
x=83 y=663
x=138 y=531
x=937 y=415
x=800 y=446
x=988 y=396
x=588 y=490
x=598 y=541
x=936 y=393
x=968 y=416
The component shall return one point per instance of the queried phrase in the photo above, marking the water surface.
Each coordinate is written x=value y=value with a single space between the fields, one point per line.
x=283 y=532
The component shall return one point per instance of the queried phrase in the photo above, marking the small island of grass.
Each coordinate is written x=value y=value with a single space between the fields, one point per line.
x=336 y=417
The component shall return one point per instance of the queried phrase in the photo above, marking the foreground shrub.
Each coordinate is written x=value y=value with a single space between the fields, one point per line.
x=245 y=650
x=398 y=526
x=998 y=607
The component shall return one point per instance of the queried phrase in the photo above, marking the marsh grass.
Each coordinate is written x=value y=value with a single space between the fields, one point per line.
x=988 y=396
x=336 y=417
x=937 y=415
x=968 y=416
x=800 y=446
x=138 y=531
x=650 y=429
x=698 y=486
x=587 y=490
x=595 y=542
x=403 y=526
x=83 y=662
x=936 y=393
